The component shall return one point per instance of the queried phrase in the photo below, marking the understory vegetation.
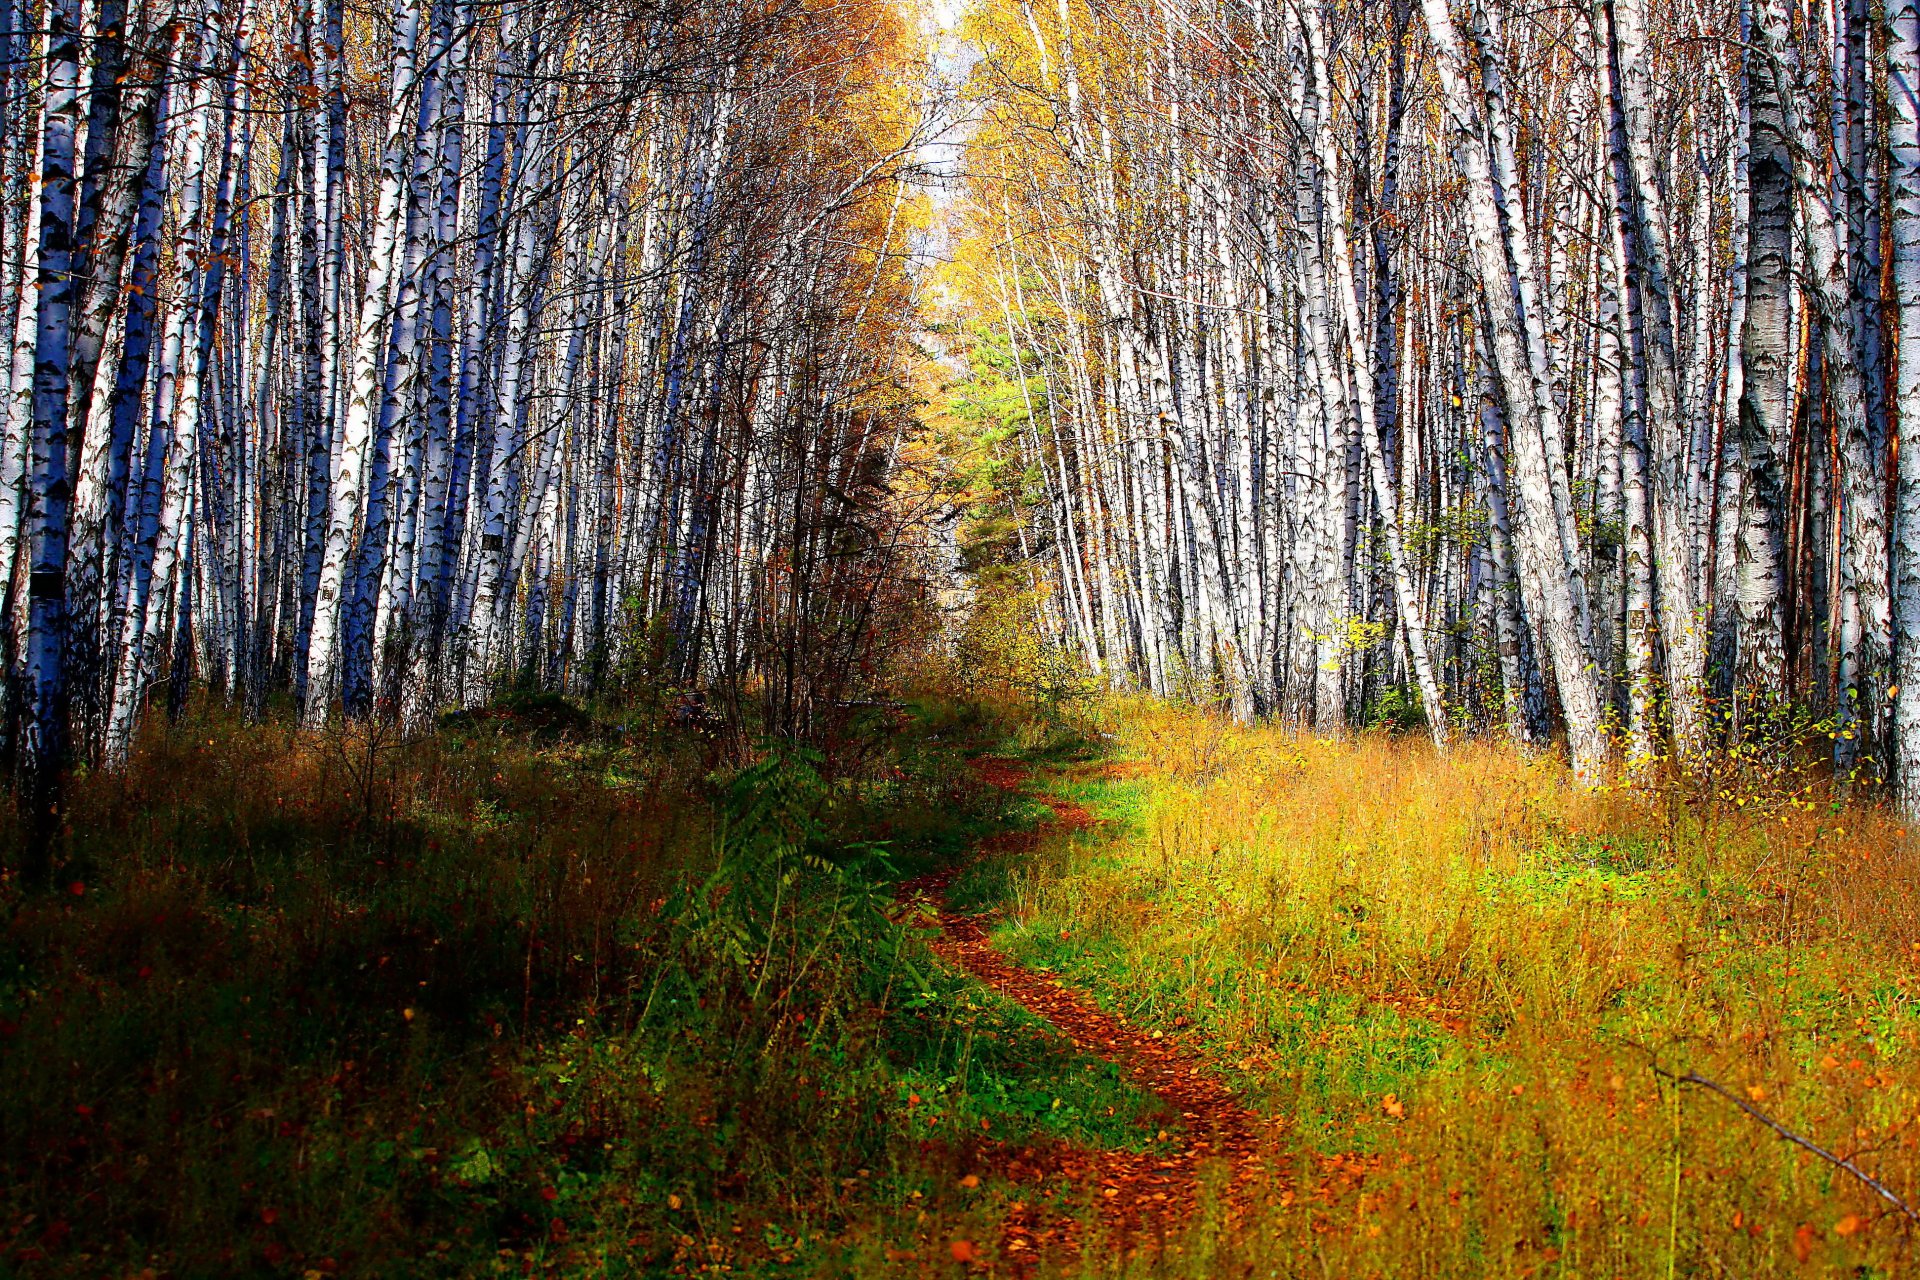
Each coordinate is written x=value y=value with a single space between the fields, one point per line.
x=537 y=992
x=524 y=994
x=1515 y=1027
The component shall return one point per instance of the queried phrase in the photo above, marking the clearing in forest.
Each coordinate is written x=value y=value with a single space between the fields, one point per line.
x=1423 y=1015
x=1132 y=991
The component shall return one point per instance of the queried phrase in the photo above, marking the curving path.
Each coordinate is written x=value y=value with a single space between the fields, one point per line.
x=1142 y=1198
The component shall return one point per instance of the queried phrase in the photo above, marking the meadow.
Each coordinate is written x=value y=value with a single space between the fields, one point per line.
x=526 y=994
x=541 y=992
x=1514 y=1028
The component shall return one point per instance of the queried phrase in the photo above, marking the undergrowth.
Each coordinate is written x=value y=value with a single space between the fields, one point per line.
x=536 y=993
x=524 y=994
x=1477 y=992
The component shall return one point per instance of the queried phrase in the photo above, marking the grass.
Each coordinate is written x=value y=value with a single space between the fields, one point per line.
x=522 y=995
x=1470 y=986
x=542 y=993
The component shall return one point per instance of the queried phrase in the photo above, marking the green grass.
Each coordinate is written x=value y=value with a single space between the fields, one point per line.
x=539 y=992
x=1014 y=1078
x=1457 y=978
x=526 y=994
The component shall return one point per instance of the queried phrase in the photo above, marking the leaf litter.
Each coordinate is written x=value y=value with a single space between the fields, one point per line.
x=1218 y=1153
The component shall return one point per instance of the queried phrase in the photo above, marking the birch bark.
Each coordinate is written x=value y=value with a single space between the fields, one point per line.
x=1541 y=553
x=347 y=489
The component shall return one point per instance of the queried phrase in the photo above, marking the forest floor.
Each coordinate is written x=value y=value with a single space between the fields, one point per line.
x=1139 y=993
x=1466 y=1019
x=1144 y=1197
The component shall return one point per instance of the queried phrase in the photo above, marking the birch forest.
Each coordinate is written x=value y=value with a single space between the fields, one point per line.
x=930 y=638
x=375 y=359
x=1539 y=370
x=1532 y=374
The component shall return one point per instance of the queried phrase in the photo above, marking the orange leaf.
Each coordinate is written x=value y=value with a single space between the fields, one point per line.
x=1803 y=1239
x=1848 y=1225
x=963 y=1251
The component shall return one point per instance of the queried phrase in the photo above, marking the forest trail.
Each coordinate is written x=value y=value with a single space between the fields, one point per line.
x=1143 y=1198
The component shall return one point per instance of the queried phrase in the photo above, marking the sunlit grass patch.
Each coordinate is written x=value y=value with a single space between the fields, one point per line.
x=1012 y=1078
x=1470 y=976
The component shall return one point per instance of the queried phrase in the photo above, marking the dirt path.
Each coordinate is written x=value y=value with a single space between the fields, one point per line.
x=1142 y=1198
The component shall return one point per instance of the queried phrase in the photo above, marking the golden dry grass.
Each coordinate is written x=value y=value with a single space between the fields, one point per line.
x=1463 y=978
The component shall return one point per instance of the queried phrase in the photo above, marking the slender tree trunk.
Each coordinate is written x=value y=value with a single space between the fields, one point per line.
x=45 y=737
x=1539 y=543
x=1903 y=138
